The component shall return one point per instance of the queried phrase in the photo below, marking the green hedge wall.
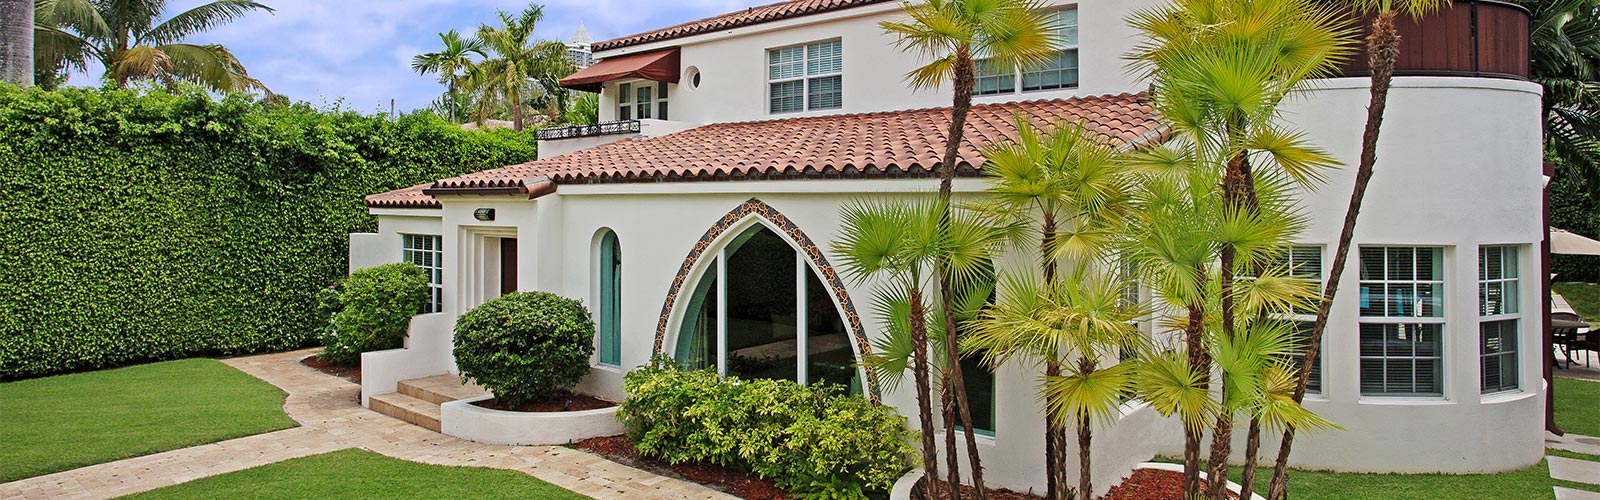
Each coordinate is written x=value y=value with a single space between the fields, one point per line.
x=142 y=226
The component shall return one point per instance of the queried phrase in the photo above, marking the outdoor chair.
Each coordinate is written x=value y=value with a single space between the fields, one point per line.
x=1574 y=339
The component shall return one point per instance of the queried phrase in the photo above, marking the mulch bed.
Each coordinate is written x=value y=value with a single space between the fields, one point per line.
x=351 y=373
x=967 y=491
x=727 y=480
x=565 y=401
x=1152 y=484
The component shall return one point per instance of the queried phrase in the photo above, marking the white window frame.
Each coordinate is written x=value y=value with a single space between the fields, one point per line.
x=628 y=101
x=1016 y=74
x=418 y=249
x=1301 y=317
x=1510 y=312
x=1440 y=283
x=806 y=77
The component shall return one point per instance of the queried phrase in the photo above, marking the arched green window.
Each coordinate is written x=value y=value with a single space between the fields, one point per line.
x=610 y=348
x=760 y=311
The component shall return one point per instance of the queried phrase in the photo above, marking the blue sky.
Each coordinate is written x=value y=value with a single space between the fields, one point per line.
x=360 y=50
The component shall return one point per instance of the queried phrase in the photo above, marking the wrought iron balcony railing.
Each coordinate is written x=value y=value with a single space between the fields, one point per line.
x=598 y=129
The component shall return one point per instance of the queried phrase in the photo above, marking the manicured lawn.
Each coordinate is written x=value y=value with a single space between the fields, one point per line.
x=1584 y=298
x=1576 y=406
x=69 y=421
x=358 y=474
x=1532 y=482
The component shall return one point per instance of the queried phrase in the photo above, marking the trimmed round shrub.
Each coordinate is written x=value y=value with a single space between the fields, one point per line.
x=373 y=312
x=525 y=346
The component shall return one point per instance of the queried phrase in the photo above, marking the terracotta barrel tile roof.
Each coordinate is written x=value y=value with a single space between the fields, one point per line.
x=751 y=16
x=884 y=144
x=410 y=197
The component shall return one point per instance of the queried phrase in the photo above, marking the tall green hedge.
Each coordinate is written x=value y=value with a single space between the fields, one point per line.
x=141 y=226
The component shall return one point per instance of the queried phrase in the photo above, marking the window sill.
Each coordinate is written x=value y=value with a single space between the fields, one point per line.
x=606 y=367
x=1404 y=401
x=1504 y=397
x=982 y=438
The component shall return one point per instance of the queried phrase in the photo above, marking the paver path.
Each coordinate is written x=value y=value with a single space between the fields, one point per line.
x=331 y=418
x=1568 y=469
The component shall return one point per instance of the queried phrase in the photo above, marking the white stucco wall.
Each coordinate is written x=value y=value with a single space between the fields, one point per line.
x=733 y=64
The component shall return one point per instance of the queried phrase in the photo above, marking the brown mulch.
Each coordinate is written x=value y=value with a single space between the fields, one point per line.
x=351 y=373
x=967 y=491
x=565 y=401
x=727 y=480
x=1152 y=484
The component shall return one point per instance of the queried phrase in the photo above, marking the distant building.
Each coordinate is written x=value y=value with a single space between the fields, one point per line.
x=578 y=48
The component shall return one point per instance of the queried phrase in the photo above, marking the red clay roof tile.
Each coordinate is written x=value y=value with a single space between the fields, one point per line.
x=883 y=144
x=751 y=16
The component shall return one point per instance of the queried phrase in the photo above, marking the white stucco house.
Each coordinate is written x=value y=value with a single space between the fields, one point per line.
x=694 y=222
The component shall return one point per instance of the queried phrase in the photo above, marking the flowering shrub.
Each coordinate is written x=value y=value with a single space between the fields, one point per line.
x=812 y=441
x=373 y=311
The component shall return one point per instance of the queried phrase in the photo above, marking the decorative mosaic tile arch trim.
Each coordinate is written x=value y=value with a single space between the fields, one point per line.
x=828 y=275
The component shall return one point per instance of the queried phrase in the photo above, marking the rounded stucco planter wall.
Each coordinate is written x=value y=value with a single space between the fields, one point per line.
x=902 y=487
x=465 y=420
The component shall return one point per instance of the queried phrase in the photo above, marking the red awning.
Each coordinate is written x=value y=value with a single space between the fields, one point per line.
x=657 y=66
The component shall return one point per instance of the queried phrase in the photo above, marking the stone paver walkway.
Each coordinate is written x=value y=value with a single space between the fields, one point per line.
x=331 y=418
x=1568 y=469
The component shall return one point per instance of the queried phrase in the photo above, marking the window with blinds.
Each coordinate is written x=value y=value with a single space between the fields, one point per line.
x=1498 y=318
x=805 y=77
x=1059 y=71
x=1402 y=321
x=1303 y=262
x=427 y=252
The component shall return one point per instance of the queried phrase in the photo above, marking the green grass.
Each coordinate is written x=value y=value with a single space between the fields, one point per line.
x=69 y=421
x=359 y=474
x=1532 y=482
x=1577 y=405
x=1584 y=298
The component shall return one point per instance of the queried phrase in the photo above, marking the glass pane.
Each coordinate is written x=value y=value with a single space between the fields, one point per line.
x=979 y=382
x=1401 y=266
x=824 y=58
x=624 y=113
x=625 y=93
x=761 y=315
x=785 y=63
x=661 y=110
x=825 y=93
x=787 y=96
x=1372 y=376
x=1066 y=21
x=610 y=300
x=1430 y=264
x=697 y=337
x=1372 y=263
x=829 y=357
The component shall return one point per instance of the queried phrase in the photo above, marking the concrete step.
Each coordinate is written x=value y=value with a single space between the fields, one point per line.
x=440 y=389
x=407 y=408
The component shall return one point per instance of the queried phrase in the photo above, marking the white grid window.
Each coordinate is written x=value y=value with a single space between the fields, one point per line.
x=639 y=100
x=1402 y=321
x=1499 y=318
x=805 y=77
x=1059 y=71
x=1305 y=262
x=426 y=251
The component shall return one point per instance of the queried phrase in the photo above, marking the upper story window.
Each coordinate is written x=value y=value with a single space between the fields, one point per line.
x=642 y=100
x=805 y=77
x=1060 y=71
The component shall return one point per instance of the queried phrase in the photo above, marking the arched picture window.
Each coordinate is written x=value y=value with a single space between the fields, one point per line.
x=610 y=348
x=760 y=311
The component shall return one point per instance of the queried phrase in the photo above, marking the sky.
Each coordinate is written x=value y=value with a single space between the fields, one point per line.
x=360 y=51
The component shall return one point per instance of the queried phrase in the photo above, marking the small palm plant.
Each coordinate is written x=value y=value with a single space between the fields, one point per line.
x=450 y=63
x=898 y=243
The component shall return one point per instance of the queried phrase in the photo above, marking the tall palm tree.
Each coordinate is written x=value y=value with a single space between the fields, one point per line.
x=900 y=242
x=1383 y=49
x=125 y=37
x=1566 y=62
x=450 y=64
x=16 y=41
x=1220 y=70
x=1009 y=33
x=520 y=66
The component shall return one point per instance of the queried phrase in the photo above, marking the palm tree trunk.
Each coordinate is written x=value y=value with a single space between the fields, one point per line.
x=1055 y=482
x=1383 y=48
x=1252 y=446
x=1085 y=434
x=16 y=42
x=1221 y=446
x=1199 y=362
x=964 y=76
x=919 y=371
x=952 y=463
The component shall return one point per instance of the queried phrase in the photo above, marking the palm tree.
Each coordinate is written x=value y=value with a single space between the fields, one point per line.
x=1220 y=71
x=1009 y=33
x=1053 y=192
x=899 y=242
x=450 y=64
x=1566 y=62
x=16 y=41
x=1383 y=49
x=125 y=38
x=521 y=66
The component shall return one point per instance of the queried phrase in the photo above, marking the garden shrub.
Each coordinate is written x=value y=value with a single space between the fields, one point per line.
x=525 y=346
x=149 y=225
x=813 y=441
x=375 y=306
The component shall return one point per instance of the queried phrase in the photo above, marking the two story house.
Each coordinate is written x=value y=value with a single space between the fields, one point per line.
x=695 y=220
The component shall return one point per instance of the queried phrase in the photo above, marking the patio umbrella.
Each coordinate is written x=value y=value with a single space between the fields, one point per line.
x=1568 y=243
